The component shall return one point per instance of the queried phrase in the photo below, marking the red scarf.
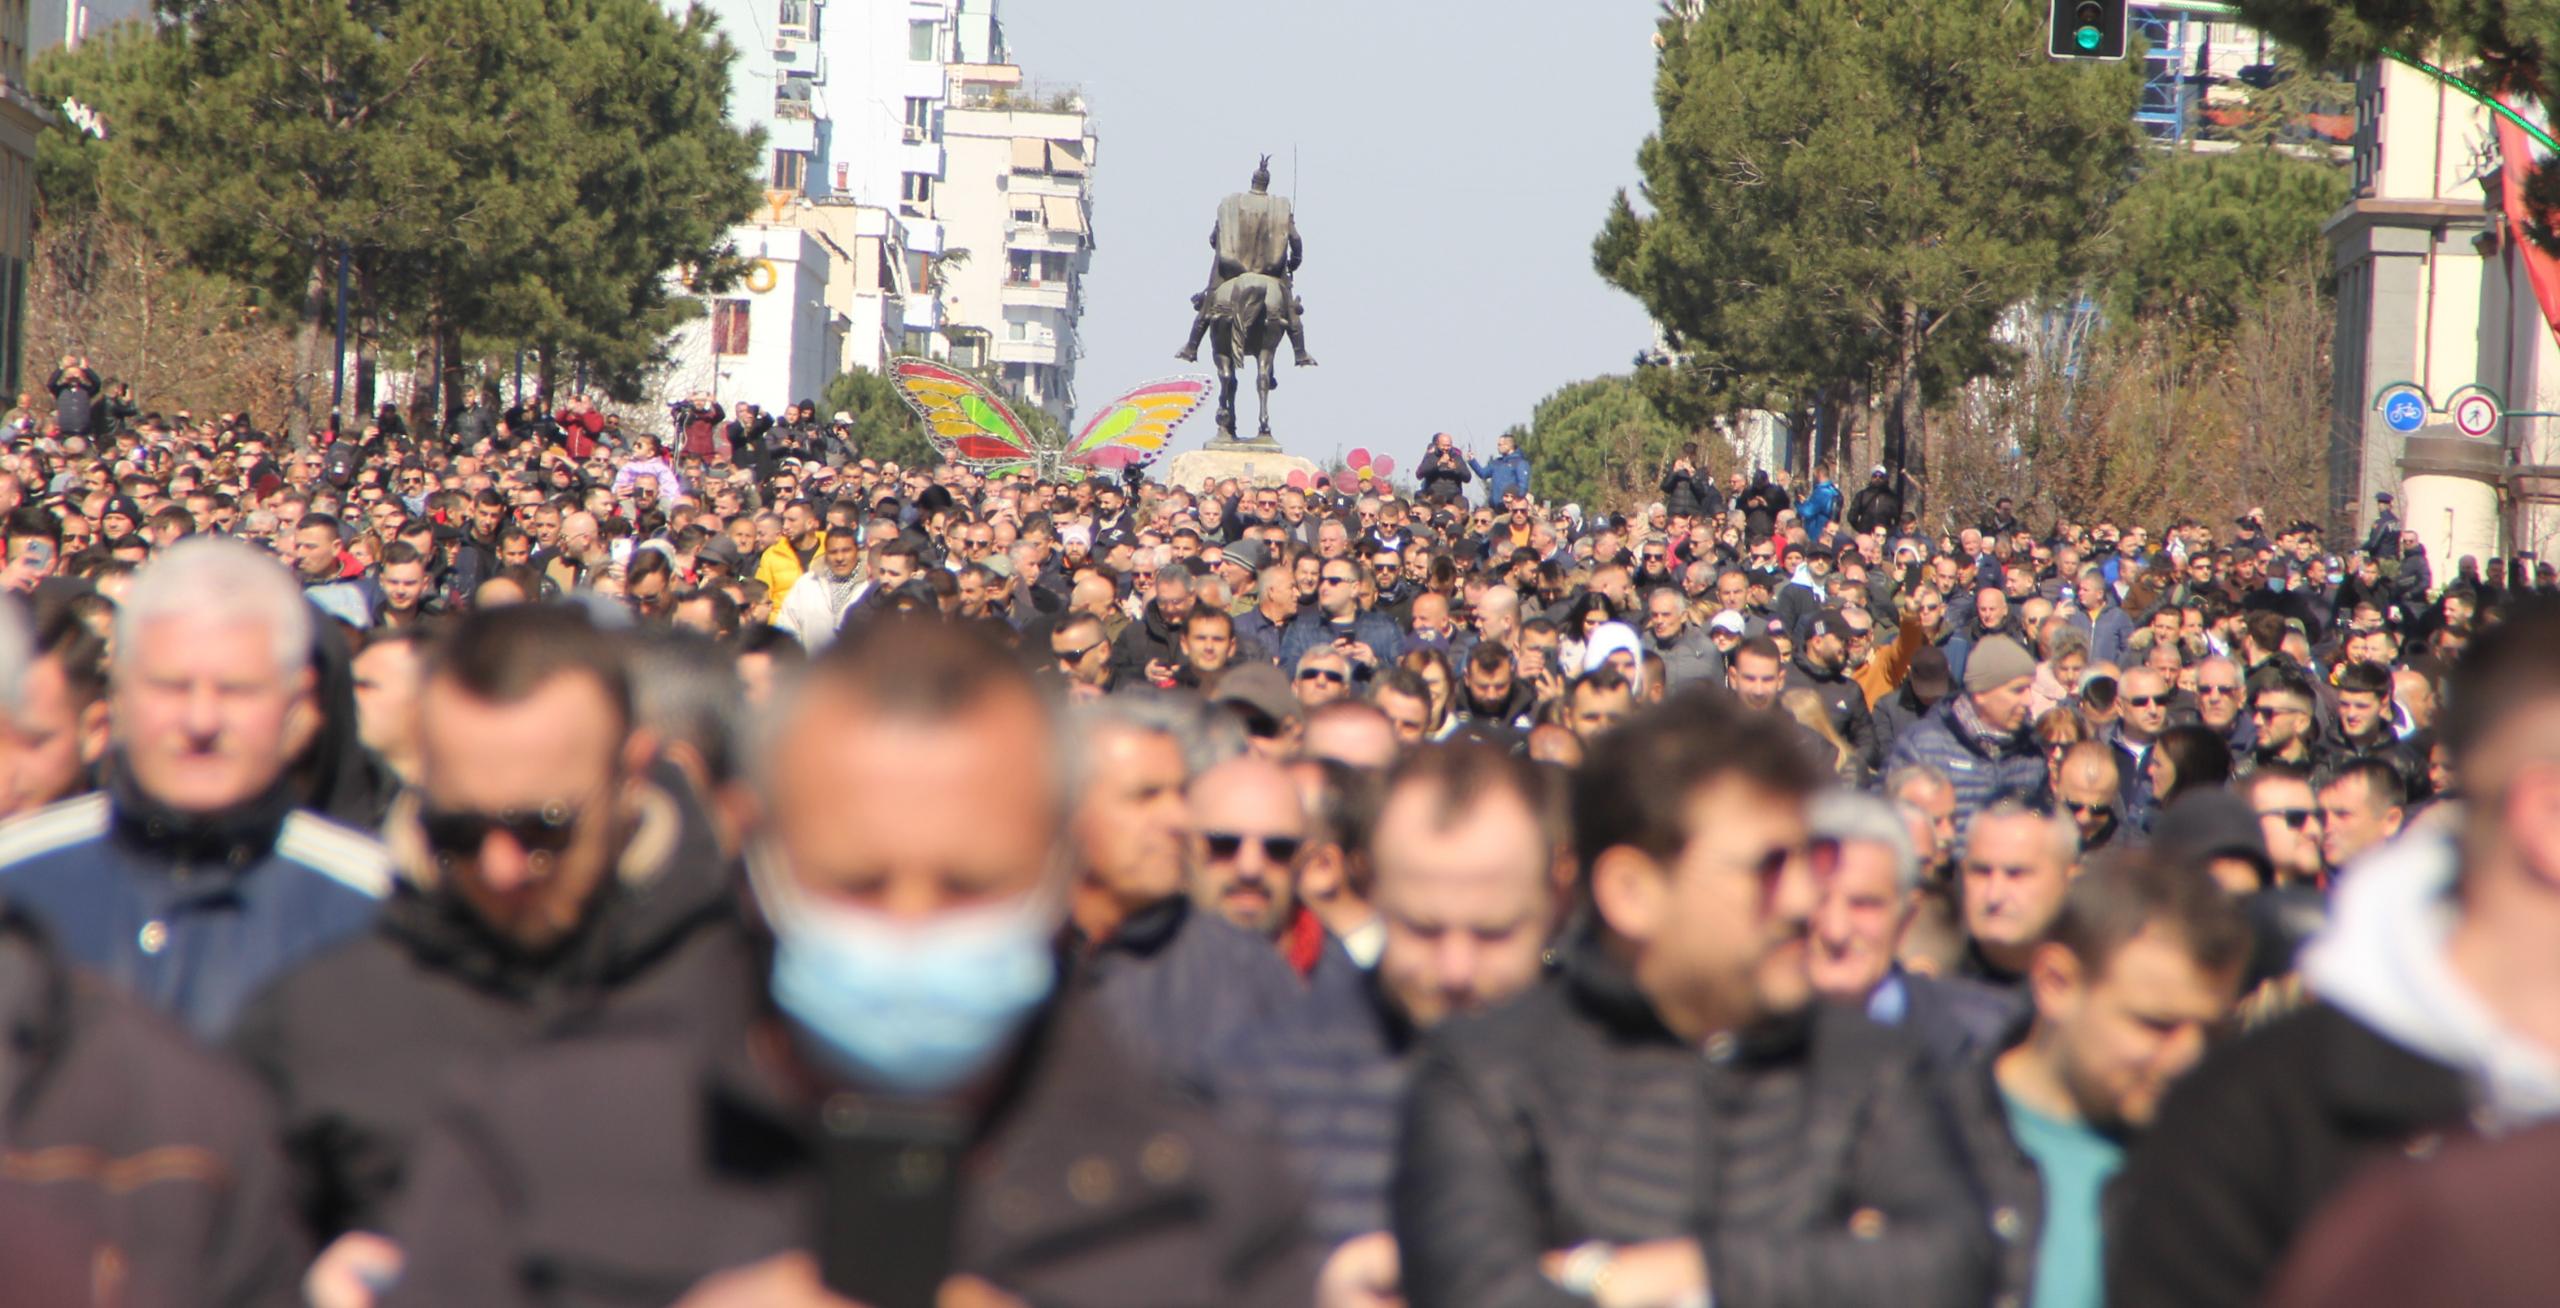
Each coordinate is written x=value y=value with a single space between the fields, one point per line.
x=1302 y=943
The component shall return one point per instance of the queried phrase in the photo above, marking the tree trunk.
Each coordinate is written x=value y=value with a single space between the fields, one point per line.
x=1906 y=443
x=315 y=328
x=449 y=357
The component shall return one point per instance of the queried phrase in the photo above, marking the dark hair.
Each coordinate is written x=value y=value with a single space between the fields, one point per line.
x=1757 y=647
x=2500 y=676
x=2365 y=677
x=1403 y=681
x=1635 y=787
x=1459 y=774
x=2382 y=780
x=2200 y=756
x=400 y=552
x=2118 y=897
x=505 y=654
x=1211 y=616
x=1488 y=656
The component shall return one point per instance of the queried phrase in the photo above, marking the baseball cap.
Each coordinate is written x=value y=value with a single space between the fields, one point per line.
x=1726 y=621
x=1260 y=687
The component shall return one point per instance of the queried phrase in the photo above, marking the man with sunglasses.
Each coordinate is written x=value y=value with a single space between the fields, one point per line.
x=543 y=870
x=1367 y=640
x=1682 y=1028
x=2283 y=710
x=2143 y=697
x=1248 y=833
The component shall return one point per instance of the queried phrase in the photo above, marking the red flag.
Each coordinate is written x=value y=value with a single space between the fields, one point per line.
x=2540 y=267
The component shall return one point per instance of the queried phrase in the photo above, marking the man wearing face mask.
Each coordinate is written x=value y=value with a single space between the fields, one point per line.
x=904 y=1018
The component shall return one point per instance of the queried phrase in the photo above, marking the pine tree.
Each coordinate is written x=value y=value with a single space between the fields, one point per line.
x=1845 y=195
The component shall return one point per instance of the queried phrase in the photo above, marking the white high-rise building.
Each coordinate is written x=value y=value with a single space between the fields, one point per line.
x=889 y=139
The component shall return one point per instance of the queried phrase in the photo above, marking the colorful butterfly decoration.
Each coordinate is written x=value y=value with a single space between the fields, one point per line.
x=972 y=425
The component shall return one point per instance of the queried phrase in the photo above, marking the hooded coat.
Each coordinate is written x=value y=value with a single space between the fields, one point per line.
x=357 y=1090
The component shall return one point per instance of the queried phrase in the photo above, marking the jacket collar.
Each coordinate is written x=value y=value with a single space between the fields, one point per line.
x=232 y=837
x=668 y=880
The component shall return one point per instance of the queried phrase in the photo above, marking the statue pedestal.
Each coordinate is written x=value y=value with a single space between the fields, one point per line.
x=1254 y=463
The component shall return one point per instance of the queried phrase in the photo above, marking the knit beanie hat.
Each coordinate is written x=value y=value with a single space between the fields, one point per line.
x=1996 y=662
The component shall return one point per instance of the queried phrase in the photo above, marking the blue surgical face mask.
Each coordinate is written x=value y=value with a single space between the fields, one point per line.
x=914 y=1007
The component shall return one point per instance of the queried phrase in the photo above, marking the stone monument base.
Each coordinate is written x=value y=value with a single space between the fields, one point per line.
x=1253 y=463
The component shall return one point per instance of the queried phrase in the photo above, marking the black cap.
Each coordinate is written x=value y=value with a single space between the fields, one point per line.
x=2209 y=824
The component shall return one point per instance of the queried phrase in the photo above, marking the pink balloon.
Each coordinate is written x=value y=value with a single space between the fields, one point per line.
x=1384 y=466
x=1346 y=481
x=1359 y=459
x=1298 y=478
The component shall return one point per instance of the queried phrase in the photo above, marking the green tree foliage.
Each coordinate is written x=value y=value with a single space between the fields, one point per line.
x=527 y=170
x=883 y=426
x=1845 y=195
x=2515 y=42
x=2203 y=235
x=1599 y=443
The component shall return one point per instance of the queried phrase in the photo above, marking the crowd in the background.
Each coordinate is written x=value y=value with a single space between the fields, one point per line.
x=545 y=862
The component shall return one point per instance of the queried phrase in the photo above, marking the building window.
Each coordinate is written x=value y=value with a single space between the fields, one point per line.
x=790 y=170
x=1027 y=217
x=887 y=271
x=793 y=19
x=729 y=327
x=917 y=187
x=796 y=96
x=920 y=41
x=1021 y=331
x=1020 y=266
x=920 y=115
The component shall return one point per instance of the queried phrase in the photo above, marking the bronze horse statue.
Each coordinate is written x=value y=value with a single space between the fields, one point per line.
x=1248 y=316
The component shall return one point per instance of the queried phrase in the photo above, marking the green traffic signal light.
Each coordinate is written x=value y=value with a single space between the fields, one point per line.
x=2088 y=37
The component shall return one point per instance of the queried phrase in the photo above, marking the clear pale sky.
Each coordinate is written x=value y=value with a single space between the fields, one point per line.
x=1453 y=163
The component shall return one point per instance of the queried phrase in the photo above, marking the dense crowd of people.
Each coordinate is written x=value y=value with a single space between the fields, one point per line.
x=543 y=862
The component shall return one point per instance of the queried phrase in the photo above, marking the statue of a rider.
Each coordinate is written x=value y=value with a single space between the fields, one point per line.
x=1255 y=232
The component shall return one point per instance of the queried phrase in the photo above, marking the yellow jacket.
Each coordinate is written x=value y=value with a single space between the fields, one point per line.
x=780 y=568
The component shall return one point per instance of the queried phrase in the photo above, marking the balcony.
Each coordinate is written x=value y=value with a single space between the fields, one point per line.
x=1038 y=295
x=1032 y=236
x=1031 y=351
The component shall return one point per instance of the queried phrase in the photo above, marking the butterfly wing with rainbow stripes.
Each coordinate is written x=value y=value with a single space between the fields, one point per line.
x=967 y=422
x=1136 y=425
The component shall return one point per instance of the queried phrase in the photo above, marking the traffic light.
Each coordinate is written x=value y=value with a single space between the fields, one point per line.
x=2087 y=29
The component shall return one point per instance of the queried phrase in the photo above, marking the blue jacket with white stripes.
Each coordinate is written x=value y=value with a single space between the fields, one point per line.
x=193 y=916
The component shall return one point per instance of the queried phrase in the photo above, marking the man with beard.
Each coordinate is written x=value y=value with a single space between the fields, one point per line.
x=1149 y=649
x=814 y=611
x=1554 y=1147
x=542 y=872
x=1822 y=666
x=1493 y=702
x=1248 y=843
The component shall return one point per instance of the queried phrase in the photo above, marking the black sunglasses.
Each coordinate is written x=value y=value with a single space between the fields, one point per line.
x=1323 y=674
x=1075 y=655
x=461 y=833
x=2145 y=701
x=2296 y=818
x=1225 y=845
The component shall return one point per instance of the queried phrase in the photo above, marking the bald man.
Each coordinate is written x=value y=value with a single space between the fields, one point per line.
x=1248 y=833
x=1353 y=732
x=2091 y=787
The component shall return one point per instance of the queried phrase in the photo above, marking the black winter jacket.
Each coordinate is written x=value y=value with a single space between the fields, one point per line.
x=2253 y=1142
x=363 y=1045
x=1810 y=1159
x=135 y=1167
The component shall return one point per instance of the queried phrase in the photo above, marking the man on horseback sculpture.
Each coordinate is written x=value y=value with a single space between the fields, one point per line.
x=1255 y=233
